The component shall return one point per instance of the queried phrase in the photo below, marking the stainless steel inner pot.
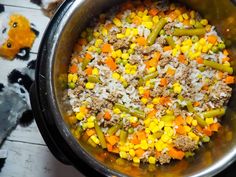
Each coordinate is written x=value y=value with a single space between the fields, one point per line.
x=50 y=109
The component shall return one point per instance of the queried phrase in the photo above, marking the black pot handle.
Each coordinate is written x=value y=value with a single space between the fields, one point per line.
x=43 y=128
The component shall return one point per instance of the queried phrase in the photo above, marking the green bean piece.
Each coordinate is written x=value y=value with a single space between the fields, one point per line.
x=155 y=32
x=71 y=85
x=218 y=66
x=189 y=154
x=168 y=118
x=123 y=136
x=200 y=121
x=85 y=63
x=122 y=107
x=215 y=49
x=214 y=113
x=93 y=79
x=170 y=41
x=221 y=46
x=90 y=141
x=150 y=76
x=131 y=130
x=100 y=135
x=198 y=25
x=190 y=106
x=133 y=112
x=113 y=129
x=195 y=38
x=189 y=32
x=206 y=139
x=137 y=113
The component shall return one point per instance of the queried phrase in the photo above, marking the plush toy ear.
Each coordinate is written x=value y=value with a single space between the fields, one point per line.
x=2 y=9
x=23 y=54
x=32 y=27
x=39 y=2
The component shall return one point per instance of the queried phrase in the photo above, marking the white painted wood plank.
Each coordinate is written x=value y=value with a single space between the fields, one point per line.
x=20 y=3
x=6 y=66
x=27 y=160
x=36 y=17
x=28 y=134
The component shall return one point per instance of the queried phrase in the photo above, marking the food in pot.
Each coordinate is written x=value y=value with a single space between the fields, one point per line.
x=149 y=81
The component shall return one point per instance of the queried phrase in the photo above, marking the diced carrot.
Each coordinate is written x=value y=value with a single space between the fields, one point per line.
x=205 y=87
x=207 y=131
x=119 y=15
x=157 y=55
x=199 y=129
x=176 y=154
x=173 y=15
x=111 y=64
x=90 y=132
x=225 y=52
x=109 y=147
x=106 y=48
x=147 y=3
x=141 y=8
x=107 y=115
x=152 y=113
x=137 y=20
x=79 y=59
x=127 y=5
x=179 y=120
x=141 y=135
x=146 y=94
x=89 y=71
x=108 y=26
x=135 y=140
x=112 y=139
x=199 y=60
x=78 y=48
x=73 y=69
x=157 y=154
x=147 y=64
x=115 y=149
x=196 y=104
x=225 y=59
x=186 y=22
x=163 y=82
x=141 y=41
x=135 y=124
x=82 y=41
x=229 y=80
x=139 y=152
x=170 y=71
x=212 y=39
x=153 y=62
x=182 y=59
x=88 y=56
x=164 y=100
x=181 y=130
x=167 y=48
x=153 y=11
x=83 y=109
x=220 y=75
x=215 y=127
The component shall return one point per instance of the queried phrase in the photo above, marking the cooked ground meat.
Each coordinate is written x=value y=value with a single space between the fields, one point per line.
x=184 y=143
x=164 y=158
x=164 y=61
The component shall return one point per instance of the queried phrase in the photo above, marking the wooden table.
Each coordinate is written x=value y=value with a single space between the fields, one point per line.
x=28 y=156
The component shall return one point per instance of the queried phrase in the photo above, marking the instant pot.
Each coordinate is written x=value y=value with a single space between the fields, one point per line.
x=50 y=109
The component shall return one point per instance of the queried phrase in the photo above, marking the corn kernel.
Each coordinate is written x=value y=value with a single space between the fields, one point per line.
x=177 y=88
x=125 y=56
x=185 y=49
x=90 y=124
x=141 y=90
x=104 y=32
x=226 y=63
x=192 y=14
x=132 y=46
x=144 y=144
x=95 y=71
x=117 y=22
x=80 y=116
x=150 y=106
x=202 y=41
x=146 y=18
x=205 y=49
x=144 y=100
x=204 y=22
x=89 y=85
x=193 y=136
x=132 y=14
x=160 y=145
x=95 y=139
x=151 y=70
x=153 y=127
x=113 y=54
x=174 y=52
x=136 y=160
x=120 y=36
x=185 y=16
x=209 y=121
x=161 y=124
x=91 y=118
x=187 y=128
x=178 y=12
x=75 y=77
x=70 y=77
x=148 y=83
x=116 y=76
x=180 y=18
x=194 y=123
x=132 y=152
x=96 y=34
x=123 y=155
x=152 y=160
x=156 y=100
x=147 y=130
x=165 y=138
x=148 y=25
x=192 y=22
x=118 y=53
x=98 y=42
x=155 y=19
x=116 y=111
x=133 y=119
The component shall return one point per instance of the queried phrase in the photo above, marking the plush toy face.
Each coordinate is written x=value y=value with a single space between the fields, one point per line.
x=17 y=34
